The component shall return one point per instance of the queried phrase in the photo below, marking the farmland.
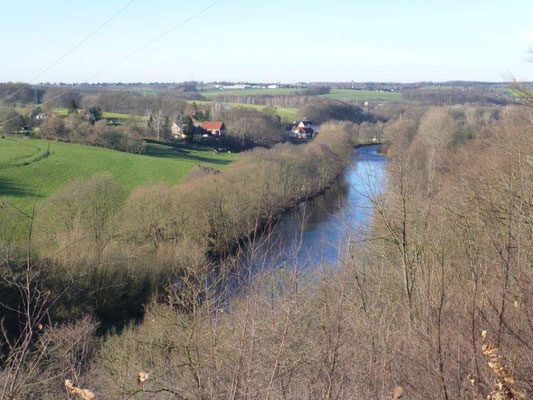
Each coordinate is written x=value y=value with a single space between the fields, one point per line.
x=363 y=95
x=338 y=94
x=26 y=170
x=290 y=114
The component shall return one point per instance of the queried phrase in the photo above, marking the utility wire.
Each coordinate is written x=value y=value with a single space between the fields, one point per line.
x=72 y=49
x=134 y=52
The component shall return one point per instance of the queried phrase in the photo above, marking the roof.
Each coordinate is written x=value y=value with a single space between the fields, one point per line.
x=213 y=125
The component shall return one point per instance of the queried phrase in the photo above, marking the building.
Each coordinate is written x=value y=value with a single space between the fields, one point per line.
x=302 y=130
x=272 y=87
x=215 y=128
x=177 y=131
x=235 y=87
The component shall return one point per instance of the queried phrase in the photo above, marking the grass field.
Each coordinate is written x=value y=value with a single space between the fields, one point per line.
x=26 y=171
x=363 y=95
x=338 y=94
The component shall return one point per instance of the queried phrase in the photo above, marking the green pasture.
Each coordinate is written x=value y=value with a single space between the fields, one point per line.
x=33 y=168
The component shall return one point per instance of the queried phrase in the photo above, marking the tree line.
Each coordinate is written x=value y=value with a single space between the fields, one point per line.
x=443 y=97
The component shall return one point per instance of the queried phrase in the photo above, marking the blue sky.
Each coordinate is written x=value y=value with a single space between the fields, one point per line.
x=269 y=41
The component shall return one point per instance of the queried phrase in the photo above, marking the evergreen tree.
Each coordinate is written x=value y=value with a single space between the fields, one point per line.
x=188 y=128
x=73 y=107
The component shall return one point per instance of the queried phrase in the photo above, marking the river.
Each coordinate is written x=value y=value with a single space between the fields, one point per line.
x=314 y=234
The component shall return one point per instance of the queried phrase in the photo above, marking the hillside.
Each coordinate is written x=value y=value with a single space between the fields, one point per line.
x=285 y=113
x=26 y=170
x=337 y=94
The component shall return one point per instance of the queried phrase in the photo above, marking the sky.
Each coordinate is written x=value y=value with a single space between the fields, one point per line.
x=266 y=40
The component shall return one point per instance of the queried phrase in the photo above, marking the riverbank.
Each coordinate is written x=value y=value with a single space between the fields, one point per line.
x=158 y=233
x=274 y=219
x=312 y=233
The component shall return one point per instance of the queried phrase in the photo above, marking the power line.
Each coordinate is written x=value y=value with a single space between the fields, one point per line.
x=72 y=48
x=149 y=43
x=136 y=51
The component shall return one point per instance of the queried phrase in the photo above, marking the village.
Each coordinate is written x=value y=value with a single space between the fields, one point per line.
x=189 y=125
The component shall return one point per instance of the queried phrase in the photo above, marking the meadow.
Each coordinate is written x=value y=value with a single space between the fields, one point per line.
x=363 y=95
x=27 y=171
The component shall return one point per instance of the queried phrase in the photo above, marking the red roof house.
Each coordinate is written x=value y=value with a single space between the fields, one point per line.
x=215 y=128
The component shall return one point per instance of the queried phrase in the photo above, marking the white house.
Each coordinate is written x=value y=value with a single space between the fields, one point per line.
x=176 y=131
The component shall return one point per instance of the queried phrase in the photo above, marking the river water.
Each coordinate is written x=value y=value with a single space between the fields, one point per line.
x=314 y=234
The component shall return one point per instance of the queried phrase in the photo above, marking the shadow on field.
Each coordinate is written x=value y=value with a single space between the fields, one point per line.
x=182 y=152
x=12 y=188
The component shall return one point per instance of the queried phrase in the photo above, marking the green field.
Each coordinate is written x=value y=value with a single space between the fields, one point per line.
x=26 y=171
x=338 y=94
x=363 y=95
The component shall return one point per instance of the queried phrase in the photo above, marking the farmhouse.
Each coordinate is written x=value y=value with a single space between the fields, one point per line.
x=303 y=130
x=215 y=128
x=177 y=131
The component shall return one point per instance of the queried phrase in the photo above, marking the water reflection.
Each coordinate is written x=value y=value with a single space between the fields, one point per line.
x=314 y=233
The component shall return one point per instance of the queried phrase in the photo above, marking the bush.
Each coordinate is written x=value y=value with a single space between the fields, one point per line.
x=14 y=122
x=53 y=128
x=86 y=208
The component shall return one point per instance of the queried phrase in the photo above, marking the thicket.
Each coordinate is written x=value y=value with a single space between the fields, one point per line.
x=322 y=109
x=129 y=102
x=443 y=97
x=248 y=128
x=78 y=128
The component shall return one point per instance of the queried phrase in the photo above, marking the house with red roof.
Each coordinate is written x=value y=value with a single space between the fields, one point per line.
x=215 y=128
